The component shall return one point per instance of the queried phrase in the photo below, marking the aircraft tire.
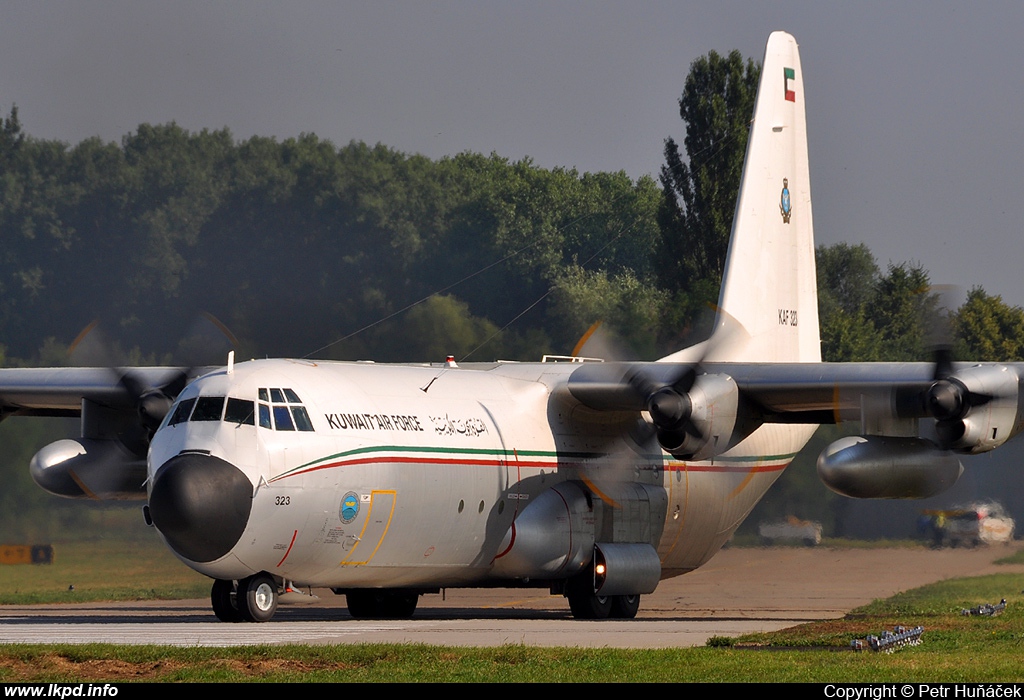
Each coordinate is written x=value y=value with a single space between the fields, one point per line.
x=222 y=596
x=257 y=598
x=380 y=604
x=583 y=602
x=590 y=606
x=625 y=607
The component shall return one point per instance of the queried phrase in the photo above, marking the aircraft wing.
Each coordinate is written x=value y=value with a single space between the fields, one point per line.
x=825 y=392
x=783 y=392
x=914 y=417
x=976 y=404
x=59 y=391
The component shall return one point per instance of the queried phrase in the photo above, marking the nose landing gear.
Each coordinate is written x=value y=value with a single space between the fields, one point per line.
x=252 y=599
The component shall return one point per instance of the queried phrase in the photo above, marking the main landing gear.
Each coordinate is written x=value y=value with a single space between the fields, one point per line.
x=585 y=604
x=252 y=599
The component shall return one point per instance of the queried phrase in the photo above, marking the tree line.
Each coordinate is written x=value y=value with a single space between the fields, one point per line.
x=298 y=243
x=295 y=245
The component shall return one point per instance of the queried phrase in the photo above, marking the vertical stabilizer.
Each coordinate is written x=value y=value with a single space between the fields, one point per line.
x=769 y=286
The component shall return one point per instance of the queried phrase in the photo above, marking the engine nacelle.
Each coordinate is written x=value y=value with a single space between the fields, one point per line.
x=87 y=468
x=552 y=538
x=989 y=416
x=720 y=416
x=887 y=467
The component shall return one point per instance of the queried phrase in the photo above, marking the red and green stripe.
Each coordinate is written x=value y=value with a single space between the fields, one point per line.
x=407 y=454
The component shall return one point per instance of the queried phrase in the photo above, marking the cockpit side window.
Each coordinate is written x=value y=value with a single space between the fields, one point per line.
x=208 y=408
x=240 y=411
x=265 y=416
x=181 y=411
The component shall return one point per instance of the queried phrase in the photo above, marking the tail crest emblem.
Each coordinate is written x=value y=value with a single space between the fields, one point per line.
x=785 y=204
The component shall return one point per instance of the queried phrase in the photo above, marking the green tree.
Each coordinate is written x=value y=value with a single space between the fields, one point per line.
x=629 y=307
x=903 y=310
x=11 y=135
x=699 y=195
x=987 y=329
x=847 y=279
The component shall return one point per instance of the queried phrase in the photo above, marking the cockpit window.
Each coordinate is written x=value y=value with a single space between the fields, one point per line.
x=240 y=411
x=282 y=418
x=302 y=421
x=286 y=412
x=208 y=408
x=181 y=411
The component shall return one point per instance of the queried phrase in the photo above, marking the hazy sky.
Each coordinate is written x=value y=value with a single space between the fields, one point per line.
x=913 y=108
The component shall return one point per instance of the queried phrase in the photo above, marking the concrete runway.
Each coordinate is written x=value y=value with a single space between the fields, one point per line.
x=739 y=591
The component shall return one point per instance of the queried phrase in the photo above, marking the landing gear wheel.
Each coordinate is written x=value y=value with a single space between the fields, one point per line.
x=223 y=598
x=380 y=604
x=583 y=602
x=257 y=598
x=625 y=606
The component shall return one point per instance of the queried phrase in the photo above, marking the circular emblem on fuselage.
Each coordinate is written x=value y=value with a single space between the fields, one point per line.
x=349 y=507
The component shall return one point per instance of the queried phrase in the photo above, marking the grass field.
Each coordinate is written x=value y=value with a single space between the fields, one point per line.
x=955 y=648
x=136 y=568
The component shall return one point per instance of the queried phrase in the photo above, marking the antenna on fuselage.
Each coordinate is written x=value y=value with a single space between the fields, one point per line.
x=231 y=361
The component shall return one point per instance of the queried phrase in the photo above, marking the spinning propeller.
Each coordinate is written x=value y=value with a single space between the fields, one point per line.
x=670 y=406
x=152 y=400
x=949 y=399
x=677 y=395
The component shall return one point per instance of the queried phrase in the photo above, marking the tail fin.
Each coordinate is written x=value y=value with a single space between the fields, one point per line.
x=769 y=287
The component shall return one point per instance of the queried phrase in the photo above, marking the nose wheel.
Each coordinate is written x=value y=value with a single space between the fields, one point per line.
x=225 y=605
x=252 y=599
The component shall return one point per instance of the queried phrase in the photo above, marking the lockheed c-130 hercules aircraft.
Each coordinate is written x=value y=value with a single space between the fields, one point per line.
x=594 y=480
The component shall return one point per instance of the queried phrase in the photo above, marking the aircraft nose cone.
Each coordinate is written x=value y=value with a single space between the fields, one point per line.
x=201 y=505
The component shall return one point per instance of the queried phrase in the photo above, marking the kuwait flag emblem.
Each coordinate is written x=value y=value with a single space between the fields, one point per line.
x=790 y=79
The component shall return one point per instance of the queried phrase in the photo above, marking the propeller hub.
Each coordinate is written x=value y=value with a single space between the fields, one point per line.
x=153 y=406
x=668 y=408
x=945 y=400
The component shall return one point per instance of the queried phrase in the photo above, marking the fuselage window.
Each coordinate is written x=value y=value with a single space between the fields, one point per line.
x=240 y=411
x=181 y=411
x=302 y=421
x=208 y=408
x=283 y=419
x=265 y=416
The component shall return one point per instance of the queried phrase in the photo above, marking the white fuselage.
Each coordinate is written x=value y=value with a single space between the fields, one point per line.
x=412 y=476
